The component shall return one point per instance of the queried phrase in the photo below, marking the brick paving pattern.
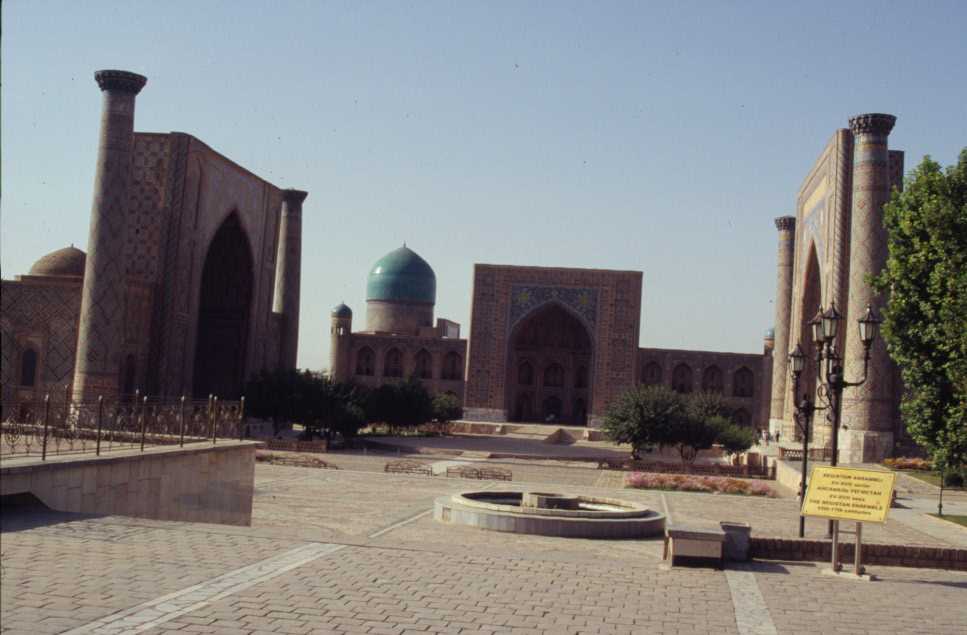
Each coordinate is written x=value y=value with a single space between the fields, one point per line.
x=385 y=566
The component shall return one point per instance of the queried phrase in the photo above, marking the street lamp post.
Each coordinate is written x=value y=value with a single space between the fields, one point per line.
x=829 y=366
x=803 y=415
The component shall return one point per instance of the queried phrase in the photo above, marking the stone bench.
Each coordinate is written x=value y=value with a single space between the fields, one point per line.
x=697 y=544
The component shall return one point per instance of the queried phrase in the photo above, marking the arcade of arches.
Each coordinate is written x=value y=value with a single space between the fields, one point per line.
x=550 y=368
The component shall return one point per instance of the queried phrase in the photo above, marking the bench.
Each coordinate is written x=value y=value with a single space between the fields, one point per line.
x=408 y=467
x=696 y=544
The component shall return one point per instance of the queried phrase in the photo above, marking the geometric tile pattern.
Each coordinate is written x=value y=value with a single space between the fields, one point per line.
x=526 y=298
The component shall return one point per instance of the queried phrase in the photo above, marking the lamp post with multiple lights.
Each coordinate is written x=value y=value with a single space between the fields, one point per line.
x=829 y=375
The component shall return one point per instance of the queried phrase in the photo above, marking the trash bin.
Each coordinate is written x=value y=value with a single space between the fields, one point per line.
x=737 y=537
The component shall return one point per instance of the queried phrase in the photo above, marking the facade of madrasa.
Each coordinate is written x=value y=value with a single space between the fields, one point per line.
x=546 y=344
x=190 y=282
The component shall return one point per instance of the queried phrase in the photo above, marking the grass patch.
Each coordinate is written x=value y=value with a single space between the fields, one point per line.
x=960 y=520
x=932 y=477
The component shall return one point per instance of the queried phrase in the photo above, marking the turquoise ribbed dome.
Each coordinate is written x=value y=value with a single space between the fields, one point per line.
x=401 y=275
x=770 y=334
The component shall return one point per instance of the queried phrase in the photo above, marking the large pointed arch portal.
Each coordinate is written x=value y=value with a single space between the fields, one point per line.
x=223 y=313
x=549 y=374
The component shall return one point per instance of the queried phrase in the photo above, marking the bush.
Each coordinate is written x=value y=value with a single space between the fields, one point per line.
x=687 y=483
x=446 y=408
x=953 y=479
x=406 y=404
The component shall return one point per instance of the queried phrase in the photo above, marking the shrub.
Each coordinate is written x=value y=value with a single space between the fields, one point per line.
x=446 y=408
x=954 y=479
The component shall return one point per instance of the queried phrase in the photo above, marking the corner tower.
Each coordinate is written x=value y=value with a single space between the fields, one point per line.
x=340 y=343
x=100 y=333
x=400 y=293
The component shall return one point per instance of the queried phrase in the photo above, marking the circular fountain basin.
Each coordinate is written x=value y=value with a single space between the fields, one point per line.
x=547 y=514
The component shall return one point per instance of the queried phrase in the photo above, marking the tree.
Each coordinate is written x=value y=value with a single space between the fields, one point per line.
x=925 y=324
x=732 y=437
x=692 y=434
x=446 y=408
x=705 y=405
x=313 y=400
x=400 y=405
x=643 y=417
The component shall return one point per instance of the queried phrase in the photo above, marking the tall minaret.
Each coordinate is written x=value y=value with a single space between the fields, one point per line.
x=288 y=275
x=97 y=369
x=867 y=409
x=340 y=340
x=780 y=358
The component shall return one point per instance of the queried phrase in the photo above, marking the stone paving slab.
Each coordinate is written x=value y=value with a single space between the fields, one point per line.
x=389 y=568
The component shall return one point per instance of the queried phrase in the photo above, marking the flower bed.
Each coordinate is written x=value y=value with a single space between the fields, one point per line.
x=908 y=463
x=692 y=483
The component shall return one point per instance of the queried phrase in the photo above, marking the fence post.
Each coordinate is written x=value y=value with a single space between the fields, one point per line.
x=100 y=416
x=241 y=418
x=144 y=422
x=43 y=450
x=214 y=418
x=182 y=422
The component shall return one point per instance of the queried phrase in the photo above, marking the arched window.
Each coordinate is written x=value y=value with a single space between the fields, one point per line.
x=742 y=383
x=712 y=379
x=580 y=412
x=581 y=378
x=28 y=367
x=651 y=374
x=525 y=374
x=682 y=379
x=554 y=376
x=525 y=407
x=741 y=417
x=365 y=362
x=424 y=365
x=452 y=367
x=552 y=409
x=394 y=363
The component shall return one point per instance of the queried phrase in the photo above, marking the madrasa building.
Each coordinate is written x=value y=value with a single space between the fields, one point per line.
x=190 y=282
x=546 y=344
x=827 y=252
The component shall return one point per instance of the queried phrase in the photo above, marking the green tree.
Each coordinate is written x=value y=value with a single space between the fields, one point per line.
x=643 y=417
x=405 y=404
x=446 y=408
x=925 y=324
x=706 y=405
x=692 y=434
x=732 y=437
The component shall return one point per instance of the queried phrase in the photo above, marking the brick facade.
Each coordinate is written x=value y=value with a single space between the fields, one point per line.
x=175 y=196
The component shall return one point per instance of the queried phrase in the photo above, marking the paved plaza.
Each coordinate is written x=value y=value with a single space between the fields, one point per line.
x=355 y=550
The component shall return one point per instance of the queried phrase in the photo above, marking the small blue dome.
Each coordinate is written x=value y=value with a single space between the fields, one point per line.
x=770 y=334
x=342 y=311
x=402 y=276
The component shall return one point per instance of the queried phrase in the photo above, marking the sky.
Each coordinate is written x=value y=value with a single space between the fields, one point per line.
x=662 y=137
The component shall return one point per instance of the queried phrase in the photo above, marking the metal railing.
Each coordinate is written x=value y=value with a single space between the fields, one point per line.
x=45 y=427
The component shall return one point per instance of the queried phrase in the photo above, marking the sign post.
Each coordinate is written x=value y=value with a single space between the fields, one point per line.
x=846 y=493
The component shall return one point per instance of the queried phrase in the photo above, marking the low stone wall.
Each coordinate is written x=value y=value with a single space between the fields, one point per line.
x=885 y=555
x=197 y=483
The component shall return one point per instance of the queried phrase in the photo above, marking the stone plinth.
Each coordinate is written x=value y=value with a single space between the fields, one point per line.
x=198 y=483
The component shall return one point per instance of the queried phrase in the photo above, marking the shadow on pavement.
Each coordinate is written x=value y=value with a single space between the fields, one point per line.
x=20 y=512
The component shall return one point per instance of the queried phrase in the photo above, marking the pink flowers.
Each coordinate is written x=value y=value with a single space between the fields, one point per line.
x=690 y=483
x=908 y=463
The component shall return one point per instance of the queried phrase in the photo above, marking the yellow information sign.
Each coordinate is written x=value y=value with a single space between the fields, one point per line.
x=847 y=493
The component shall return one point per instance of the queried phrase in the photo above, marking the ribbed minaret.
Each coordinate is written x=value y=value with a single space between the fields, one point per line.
x=780 y=358
x=100 y=332
x=868 y=407
x=288 y=275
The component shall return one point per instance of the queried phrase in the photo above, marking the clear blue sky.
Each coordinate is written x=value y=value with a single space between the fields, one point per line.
x=656 y=136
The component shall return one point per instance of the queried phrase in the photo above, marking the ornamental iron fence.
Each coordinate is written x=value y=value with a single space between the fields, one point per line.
x=46 y=427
